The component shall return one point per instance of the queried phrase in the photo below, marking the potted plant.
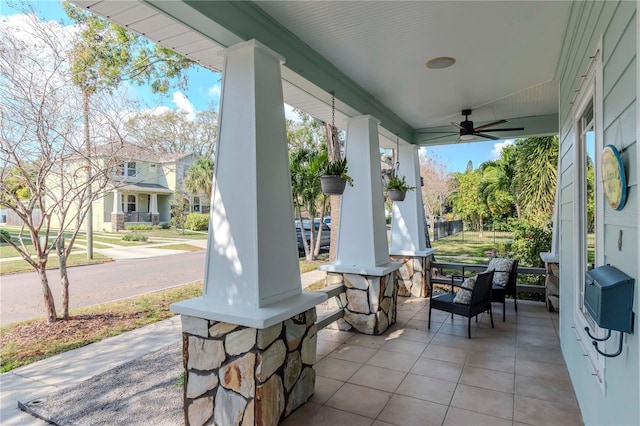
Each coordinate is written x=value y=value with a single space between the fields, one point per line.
x=335 y=177
x=397 y=188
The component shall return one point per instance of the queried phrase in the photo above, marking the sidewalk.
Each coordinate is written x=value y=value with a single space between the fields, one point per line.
x=41 y=378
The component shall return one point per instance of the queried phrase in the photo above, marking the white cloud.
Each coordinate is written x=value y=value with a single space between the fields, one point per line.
x=498 y=146
x=214 y=91
x=182 y=102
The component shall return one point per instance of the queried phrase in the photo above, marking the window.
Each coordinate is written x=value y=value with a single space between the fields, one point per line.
x=195 y=204
x=131 y=169
x=130 y=203
x=588 y=210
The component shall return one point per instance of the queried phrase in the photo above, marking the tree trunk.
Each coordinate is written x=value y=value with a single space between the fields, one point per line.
x=316 y=250
x=64 y=283
x=305 y=246
x=333 y=145
x=49 y=303
x=87 y=141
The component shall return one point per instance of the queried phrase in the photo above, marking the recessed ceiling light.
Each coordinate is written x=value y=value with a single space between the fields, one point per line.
x=441 y=62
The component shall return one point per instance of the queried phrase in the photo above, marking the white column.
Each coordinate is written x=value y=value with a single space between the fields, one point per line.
x=362 y=239
x=153 y=204
x=252 y=276
x=117 y=201
x=407 y=220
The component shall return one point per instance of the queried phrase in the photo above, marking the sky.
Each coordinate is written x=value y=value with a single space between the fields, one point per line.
x=203 y=92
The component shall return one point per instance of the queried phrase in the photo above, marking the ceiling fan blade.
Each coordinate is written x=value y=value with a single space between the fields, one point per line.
x=484 y=135
x=457 y=125
x=495 y=123
x=506 y=130
x=440 y=137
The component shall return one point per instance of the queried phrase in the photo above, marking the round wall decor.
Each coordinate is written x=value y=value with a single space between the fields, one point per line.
x=614 y=180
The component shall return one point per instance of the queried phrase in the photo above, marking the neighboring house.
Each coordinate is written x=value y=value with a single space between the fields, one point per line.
x=141 y=187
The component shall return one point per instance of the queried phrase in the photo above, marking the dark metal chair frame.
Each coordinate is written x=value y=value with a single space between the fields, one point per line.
x=480 y=301
x=499 y=293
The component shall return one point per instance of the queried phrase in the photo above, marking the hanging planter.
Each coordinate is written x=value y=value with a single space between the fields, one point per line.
x=397 y=188
x=332 y=185
x=397 y=195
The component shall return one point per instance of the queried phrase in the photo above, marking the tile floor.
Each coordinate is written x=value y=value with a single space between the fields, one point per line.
x=511 y=375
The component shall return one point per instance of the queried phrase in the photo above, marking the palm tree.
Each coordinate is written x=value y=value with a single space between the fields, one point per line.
x=498 y=186
x=199 y=177
x=536 y=173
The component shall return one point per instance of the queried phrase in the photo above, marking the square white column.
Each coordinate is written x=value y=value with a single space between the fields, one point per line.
x=408 y=236
x=252 y=275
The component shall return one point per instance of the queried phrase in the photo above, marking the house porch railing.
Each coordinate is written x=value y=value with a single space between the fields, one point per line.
x=135 y=217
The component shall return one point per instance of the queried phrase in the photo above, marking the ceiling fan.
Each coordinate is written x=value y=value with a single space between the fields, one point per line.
x=467 y=131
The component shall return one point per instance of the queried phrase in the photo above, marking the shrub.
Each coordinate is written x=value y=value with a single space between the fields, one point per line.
x=134 y=236
x=166 y=225
x=532 y=236
x=5 y=235
x=139 y=227
x=197 y=222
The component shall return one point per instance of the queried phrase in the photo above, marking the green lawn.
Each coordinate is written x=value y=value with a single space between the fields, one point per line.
x=185 y=247
x=472 y=246
x=13 y=266
x=313 y=265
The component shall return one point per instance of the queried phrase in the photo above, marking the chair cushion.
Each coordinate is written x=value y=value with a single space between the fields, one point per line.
x=502 y=268
x=464 y=296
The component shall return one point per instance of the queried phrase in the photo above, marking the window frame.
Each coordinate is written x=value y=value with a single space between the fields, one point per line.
x=590 y=94
x=126 y=202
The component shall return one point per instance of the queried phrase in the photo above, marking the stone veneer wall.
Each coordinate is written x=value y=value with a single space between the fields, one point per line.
x=155 y=219
x=117 y=222
x=412 y=275
x=552 y=284
x=236 y=375
x=369 y=302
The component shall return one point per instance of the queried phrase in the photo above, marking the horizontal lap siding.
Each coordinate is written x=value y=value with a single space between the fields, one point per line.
x=615 y=24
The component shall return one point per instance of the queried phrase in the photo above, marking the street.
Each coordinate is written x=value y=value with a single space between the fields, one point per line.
x=21 y=294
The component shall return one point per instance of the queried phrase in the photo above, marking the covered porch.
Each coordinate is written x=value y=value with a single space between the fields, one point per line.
x=513 y=374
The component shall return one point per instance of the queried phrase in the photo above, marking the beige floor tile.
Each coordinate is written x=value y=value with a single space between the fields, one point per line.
x=449 y=340
x=488 y=379
x=335 y=335
x=492 y=361
x=305 y=411
x=485 y=401
x=553 y=391
x=460 y=417
x=540 y=342
x=404 y=410
x=325 y=416
x=381 y=423
x=444 y=353
x=459 y=330
x=379 y=378
x=359 y=400
x=537 y=412
x=536 y=321
x=536 y=331
x=534 y=353
x=324 y=389
x=423 y=336
x=495 y=346
x=418 y=324
x=375 y=342
x=325 y=347
x=393 y=360
x=404 y=346
x=353 y=353
x=437 y=369
x=427 y=388
x=552 y=372
x=336 y=369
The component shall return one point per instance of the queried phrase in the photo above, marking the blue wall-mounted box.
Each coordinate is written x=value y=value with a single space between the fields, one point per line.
x=608 y=297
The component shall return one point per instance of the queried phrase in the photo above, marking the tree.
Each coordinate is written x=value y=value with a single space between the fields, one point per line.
x=536 y=174
x=466 y=198
x=498 y=184
x=437 y=186
x=175 y=131
x=179 y=210
x=41 y=149
x=199 y=177
x=103 y=56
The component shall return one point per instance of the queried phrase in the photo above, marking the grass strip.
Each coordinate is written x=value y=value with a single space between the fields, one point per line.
x=30 y=341
x=183 y=247
x=76 y=259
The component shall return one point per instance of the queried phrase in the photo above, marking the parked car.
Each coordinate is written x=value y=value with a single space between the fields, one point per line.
x=325 y=238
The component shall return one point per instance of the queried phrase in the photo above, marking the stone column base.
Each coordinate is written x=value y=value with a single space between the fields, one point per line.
x=552 y=284
x=412 y=275
x=117 y=222
x=236 y=375
x=369 y=302
x=155 y=218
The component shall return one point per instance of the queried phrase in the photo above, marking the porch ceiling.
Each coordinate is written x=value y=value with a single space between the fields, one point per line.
x=373 y=55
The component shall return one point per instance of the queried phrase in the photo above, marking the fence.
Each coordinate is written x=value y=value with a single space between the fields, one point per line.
x=445 y=229
x=9 y=217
